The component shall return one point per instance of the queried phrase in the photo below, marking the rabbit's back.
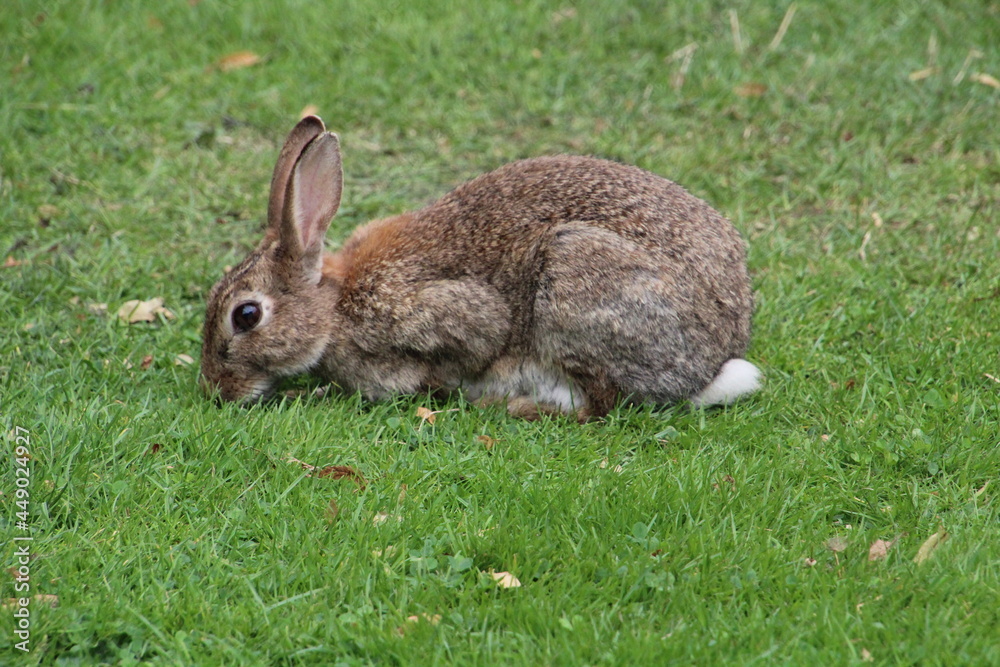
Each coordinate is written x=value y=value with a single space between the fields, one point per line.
x=608 y=275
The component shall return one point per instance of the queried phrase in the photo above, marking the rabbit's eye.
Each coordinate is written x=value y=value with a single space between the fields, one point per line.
x=246 y=316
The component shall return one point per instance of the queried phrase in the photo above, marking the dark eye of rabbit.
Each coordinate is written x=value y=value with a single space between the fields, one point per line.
x=246 y=316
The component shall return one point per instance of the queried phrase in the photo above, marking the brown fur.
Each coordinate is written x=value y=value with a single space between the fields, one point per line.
x=571 y=273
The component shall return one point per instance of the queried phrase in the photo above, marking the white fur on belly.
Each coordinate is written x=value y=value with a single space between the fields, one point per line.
x=541 y=384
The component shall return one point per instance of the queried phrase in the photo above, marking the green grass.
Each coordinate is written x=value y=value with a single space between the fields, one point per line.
x=174 y=532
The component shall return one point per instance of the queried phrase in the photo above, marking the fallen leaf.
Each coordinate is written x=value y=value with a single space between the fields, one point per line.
x=154 y=448
x=505 y=579
x=332 y=511
x=922 y=74
x=430 y=415
x=237 y=60
x=183 y=360
x=342 y=472
x=750 y=89
x=809 y=562
x=380 y=518
x=143 y=311
x=880 y=549
x=147 y=361
x=333 y=472
x=986 y=80
x=309 y=110
x=836 y=544
x=426 y=415
x=486 y=441
x=10 y=262
x=929 y=546
x=866 y=656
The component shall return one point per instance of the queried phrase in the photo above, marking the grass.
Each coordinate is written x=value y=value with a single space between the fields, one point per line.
x=175 y=532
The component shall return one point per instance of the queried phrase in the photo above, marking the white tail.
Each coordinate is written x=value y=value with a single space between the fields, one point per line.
x=736 y=378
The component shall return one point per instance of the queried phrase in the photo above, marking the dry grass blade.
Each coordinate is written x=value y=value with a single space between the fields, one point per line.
x=986 y=80
x=783 y=28
x=734 y=27
x=921 y=74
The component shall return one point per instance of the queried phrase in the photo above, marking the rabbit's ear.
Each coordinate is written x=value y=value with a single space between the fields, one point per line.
x=308 y=129
x=311 y=200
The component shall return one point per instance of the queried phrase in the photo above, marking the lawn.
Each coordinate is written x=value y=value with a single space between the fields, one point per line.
x=848 y=513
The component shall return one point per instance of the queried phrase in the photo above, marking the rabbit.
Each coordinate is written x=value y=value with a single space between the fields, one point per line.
x=553 y=285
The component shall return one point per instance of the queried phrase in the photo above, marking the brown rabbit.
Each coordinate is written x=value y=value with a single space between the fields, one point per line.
x=556 y=285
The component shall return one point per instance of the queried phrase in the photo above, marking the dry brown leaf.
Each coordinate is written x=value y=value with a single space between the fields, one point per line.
x=486 y=441
x=505 y=579
x=750 y=89
x=343 y=472
x=237 y=60
x=922 y=74
x=429 y=416
x=929 y=546
x=880 y=549
x=147 y=361
x=183 y=360
x=836 y=544
x=986 y=80
x=309 y=110
x=143 y=311
x=426 y=415
x=333 y=472
x=10 y=262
